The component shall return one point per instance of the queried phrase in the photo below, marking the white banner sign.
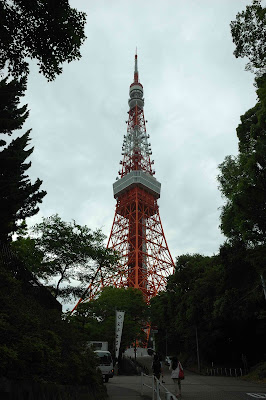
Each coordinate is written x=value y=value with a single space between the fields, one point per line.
x=119 y=320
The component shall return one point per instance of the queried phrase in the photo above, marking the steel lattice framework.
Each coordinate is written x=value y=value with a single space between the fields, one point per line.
x=138 y=235
x=137 y=232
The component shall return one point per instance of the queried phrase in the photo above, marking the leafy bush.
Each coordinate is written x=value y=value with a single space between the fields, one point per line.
x=37 y=344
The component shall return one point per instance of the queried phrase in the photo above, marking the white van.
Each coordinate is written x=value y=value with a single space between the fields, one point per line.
x=105 y=364
x=98 y=345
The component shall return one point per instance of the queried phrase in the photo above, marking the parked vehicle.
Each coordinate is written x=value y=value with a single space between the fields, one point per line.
x=105 y=364
x=150 y=351
x=97 y=345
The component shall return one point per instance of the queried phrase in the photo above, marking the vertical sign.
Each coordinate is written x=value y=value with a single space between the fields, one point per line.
x=119 y=320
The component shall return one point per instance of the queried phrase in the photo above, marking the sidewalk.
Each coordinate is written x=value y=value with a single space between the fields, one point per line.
x=126 y=388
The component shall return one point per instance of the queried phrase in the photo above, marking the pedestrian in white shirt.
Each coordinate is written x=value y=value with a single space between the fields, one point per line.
x=177 y=374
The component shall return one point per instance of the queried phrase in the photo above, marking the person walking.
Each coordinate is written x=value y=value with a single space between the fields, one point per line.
x=156 y=367
x=160 y=359
x=177 y=374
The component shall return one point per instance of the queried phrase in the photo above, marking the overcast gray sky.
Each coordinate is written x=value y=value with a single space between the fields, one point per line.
x=195 y=91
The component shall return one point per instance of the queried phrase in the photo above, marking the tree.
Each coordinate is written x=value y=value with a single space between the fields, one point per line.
x=50 y=33
x=47 y=31
x=191 y=294
x=36 y=344
x=242 y=179
x=212 y=302
x=249 y=35
x=97 y=317
x=18 y=196
x=71 y=255
x=242 y=182
x=12 y=117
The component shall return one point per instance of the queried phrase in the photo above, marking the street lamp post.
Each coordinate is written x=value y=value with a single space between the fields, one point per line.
x=197 y=343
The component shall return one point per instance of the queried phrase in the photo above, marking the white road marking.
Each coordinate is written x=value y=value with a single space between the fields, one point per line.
x=257 y=395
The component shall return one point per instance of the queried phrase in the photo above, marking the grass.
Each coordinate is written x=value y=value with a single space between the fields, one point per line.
x=257 y=374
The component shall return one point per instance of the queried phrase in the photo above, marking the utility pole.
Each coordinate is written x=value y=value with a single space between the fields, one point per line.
x=263 y=285
x=197 y=343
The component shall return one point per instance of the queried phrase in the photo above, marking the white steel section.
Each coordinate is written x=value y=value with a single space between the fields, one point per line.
x=137 y=178
x=137 y=86
x=136 y=138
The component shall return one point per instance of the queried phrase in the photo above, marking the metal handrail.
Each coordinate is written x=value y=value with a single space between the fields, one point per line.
x=156 y=385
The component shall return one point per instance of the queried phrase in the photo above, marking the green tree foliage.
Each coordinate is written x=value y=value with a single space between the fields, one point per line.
x=241 y=307
x=19 y=198
x=25 y=248
x=48 y=31
x=12 y=116
x=243 y=184
x=242 y=179
x=249 y=35
x=70 y=254
x=188 y=304
x=97 y=317
x=242 y=298
x=218 y=298
x=51 y=33
x=36 y=344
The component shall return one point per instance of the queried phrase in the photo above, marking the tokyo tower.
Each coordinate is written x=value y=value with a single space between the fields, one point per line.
x=137 y=233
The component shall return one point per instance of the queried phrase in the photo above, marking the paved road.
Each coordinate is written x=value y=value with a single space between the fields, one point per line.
x=126 y=387
x=216 y=388
x=194 y=387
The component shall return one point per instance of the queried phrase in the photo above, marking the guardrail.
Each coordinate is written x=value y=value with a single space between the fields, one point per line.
x=225 y=372
x=159 y=391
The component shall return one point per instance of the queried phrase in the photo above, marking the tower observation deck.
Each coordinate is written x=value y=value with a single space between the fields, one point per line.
x=137 y=233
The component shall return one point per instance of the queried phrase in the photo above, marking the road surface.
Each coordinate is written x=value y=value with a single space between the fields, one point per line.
x=194 y=387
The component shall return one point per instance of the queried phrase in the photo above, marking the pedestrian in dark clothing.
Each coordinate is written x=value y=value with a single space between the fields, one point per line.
x=156 y=366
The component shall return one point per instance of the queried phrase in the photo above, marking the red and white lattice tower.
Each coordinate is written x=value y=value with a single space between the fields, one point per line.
x=137 y=232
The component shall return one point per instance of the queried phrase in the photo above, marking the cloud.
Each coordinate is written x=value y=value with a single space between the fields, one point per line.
x=195 y=91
